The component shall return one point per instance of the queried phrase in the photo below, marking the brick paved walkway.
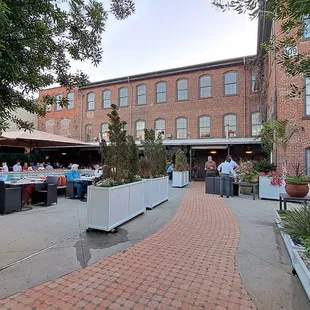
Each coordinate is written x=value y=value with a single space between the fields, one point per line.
x=189 y=264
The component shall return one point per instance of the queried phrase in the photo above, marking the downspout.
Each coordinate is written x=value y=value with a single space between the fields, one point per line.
x=244 y=98
x=130 y=108
x=81 y=113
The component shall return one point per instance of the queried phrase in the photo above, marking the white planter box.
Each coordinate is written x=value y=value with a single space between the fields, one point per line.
x=267 y=191
x=180 y=178
x=301 y=270
x=156 y=191
x=109 y=207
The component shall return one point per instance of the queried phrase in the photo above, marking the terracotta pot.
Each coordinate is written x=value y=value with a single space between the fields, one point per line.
x=297 y=190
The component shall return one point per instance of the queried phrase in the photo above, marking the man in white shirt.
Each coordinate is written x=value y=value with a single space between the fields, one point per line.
x=226 y=171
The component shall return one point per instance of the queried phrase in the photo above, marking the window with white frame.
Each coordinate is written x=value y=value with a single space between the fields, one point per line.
x=123 y=96
x=254 y=88
x=88 y=132
x=256 y=123
x=182 y=89
x=205 y=86
x=204 y=123
x=161 y=92
x=70 y=101
x=58 y=99
x=105 y=131
x=160 y=127
x=308 y=162
x=106 y=99
x=181 y=128
x=307 y=96
x=140 y=126
x=91 y=101
x=141 y=94
x=231 y=83
x=230 y=125
x=307 y=27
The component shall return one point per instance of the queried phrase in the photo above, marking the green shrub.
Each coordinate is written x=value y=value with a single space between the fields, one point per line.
x=180 y=161
x=264 y=166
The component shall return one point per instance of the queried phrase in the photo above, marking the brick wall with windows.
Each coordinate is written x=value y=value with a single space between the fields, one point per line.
x=189 y=104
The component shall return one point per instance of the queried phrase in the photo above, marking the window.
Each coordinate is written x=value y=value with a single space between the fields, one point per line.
x=160 y=126
x=182 y=89
x=161 y=92
x=58 y=106
x=91 y=102
x=307 y=96
x=204 y=123
x=307 y=27
x=70 y=101
x=106 y=99
x=230 y=125
x=123 y=97
x=141 y=94
x=256 y=122
x=205 y=86
x=105 y=131
x=181 y=128
x=254 y=88
x=308 y=162
x=230 y=83
x=88 y=132
x=140 y=126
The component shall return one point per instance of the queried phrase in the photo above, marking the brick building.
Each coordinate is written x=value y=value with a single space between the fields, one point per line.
x=279 y=104
x=207 y=108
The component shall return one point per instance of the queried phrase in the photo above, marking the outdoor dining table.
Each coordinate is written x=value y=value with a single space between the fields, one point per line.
x=85 y=178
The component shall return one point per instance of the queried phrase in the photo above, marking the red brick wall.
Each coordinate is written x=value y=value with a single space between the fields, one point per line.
x=215 y=107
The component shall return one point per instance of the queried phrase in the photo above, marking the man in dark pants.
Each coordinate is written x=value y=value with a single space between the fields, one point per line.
x=210 y=167
x=225 y=170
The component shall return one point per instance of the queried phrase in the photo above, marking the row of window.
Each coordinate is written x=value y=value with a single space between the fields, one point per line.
x=230 y=127
x=182 y=92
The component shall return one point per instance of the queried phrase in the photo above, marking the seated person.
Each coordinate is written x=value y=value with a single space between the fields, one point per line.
x=97 y=172
x=81 y=186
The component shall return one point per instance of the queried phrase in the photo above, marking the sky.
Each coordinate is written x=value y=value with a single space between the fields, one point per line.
x=165 y=34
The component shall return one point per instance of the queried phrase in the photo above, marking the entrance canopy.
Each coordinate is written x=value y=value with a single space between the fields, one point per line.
x=36 y=139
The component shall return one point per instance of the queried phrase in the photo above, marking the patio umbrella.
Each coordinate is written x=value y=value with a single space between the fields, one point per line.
x=36 y=139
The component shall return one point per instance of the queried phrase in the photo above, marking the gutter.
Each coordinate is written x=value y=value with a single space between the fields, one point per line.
x=244 y=98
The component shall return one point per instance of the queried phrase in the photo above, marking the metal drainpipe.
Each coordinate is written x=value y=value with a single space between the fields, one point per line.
x=81 y=111
x=244 y=98
x=130 y=108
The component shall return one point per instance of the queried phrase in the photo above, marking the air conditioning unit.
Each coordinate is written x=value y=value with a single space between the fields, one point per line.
x=169 y=136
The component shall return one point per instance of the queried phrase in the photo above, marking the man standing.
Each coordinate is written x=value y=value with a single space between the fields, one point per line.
x=225 y=170
x=210 y=167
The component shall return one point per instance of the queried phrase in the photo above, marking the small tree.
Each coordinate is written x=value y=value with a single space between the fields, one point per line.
x=155 y=152
x=180 y=161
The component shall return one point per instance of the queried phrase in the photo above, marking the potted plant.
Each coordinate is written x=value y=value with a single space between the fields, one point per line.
x=121 y=195
x=153 y=169
x=180 y=174
x=298 y=184
x=248 y=174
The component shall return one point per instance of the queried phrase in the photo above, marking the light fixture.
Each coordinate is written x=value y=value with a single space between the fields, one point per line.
x=64 y=154
x=213 y=152
x=248 y=150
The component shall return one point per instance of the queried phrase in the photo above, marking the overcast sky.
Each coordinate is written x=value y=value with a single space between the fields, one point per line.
x=164 y=34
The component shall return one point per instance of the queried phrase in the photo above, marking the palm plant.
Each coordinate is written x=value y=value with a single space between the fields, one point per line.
x=280 y=132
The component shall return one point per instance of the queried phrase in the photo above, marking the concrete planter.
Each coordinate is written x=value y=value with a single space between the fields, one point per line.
x=267 y=191
x=109 y=207
x=301 y=270
x=156 y=191
x=180 y=178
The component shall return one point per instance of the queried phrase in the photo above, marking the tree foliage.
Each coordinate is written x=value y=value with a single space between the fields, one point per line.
x=180 y=161
x=39 y=39
x=290 y=15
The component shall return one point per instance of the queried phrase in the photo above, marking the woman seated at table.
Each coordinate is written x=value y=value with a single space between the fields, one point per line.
x=81 y=186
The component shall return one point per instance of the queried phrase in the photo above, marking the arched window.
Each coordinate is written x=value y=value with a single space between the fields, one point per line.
x=161 y=92
x=88 y=132
x=205 y=90
x=70 y=101
x=105 y=131
x=106 y=99
x=256 y=123
x=231 y=83
x=58 y=106
x=181 y=128
x=182 y=89
x=204 y=123
x=160 y=127
x=91 y=102
x=140 y=126
x=230 y=125
x=123 y=97
x=141 y=94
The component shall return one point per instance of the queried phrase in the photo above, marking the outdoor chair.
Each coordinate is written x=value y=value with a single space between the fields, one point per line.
x=10 y=198
x=70 y=190
x=47 y=192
